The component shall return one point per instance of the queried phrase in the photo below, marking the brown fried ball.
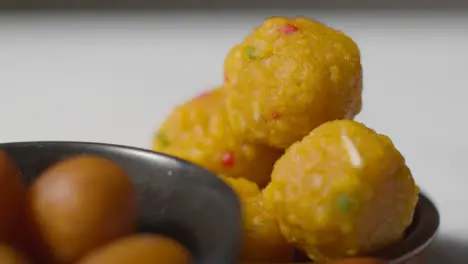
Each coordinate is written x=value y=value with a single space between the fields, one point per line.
x=12 y=199
x=77 y=205
x=140 y=249
x=9 y=255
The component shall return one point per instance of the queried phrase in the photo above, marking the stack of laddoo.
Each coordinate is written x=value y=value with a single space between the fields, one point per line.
x=280 y=132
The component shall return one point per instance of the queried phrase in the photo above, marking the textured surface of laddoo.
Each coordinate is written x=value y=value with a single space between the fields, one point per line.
x=242 y=187
x=198 y=131
x=342 y=190
x=262 y=238
x=288 y=77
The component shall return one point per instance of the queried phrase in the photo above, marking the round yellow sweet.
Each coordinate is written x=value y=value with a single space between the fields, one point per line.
x=262 y=237
x=343 y=190
x=198 y=131
x=288 y=77
x=242 y=187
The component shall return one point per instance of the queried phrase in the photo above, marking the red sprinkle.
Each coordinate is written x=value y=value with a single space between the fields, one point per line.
x=226 y=78
x=228 y=159
x=288 y=29
x=275 y=115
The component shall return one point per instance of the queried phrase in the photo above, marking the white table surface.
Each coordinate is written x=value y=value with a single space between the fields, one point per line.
x=114 y=78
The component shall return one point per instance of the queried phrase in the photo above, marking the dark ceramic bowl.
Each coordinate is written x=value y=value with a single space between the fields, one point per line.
x=192 y=205
x=176 y=198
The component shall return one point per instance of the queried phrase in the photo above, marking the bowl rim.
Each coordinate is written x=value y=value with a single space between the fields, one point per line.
x=213 y=179
x=112 y=146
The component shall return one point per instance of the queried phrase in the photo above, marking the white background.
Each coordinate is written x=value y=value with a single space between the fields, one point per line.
x=114 y=78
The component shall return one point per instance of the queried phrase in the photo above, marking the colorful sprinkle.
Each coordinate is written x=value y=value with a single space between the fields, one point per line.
x=344 y=203
x=228 y=159
x=250 y=52
x=226 y=78
x=162 y=140
x=289 y=29
x=275 y=115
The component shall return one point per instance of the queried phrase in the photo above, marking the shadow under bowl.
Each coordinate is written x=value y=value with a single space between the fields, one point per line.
x=176 y=198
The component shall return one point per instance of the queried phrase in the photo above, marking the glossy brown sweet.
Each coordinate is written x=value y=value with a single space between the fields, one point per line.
x=78 y=205
x=141 y=249
x=9 y=255
x=11 y=197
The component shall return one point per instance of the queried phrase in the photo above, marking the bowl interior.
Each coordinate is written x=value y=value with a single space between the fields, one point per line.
x=176 y=198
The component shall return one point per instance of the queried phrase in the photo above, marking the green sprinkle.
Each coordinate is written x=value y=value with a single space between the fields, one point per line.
x=162 y=139
x=344 y=203
x=250 y=52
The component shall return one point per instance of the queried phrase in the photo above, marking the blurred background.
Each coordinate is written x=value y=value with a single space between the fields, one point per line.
x=229 y=5
x=110 y=71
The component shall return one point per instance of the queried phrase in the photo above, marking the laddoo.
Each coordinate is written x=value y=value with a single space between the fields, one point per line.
x=198 y=131
x=342 y=190
x=262 y=238
x=288 y=77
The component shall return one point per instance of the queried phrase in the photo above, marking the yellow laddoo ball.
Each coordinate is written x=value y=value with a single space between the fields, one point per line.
x=262 y=238
x=288 y=77
x=343 y=190
x=198 y=131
